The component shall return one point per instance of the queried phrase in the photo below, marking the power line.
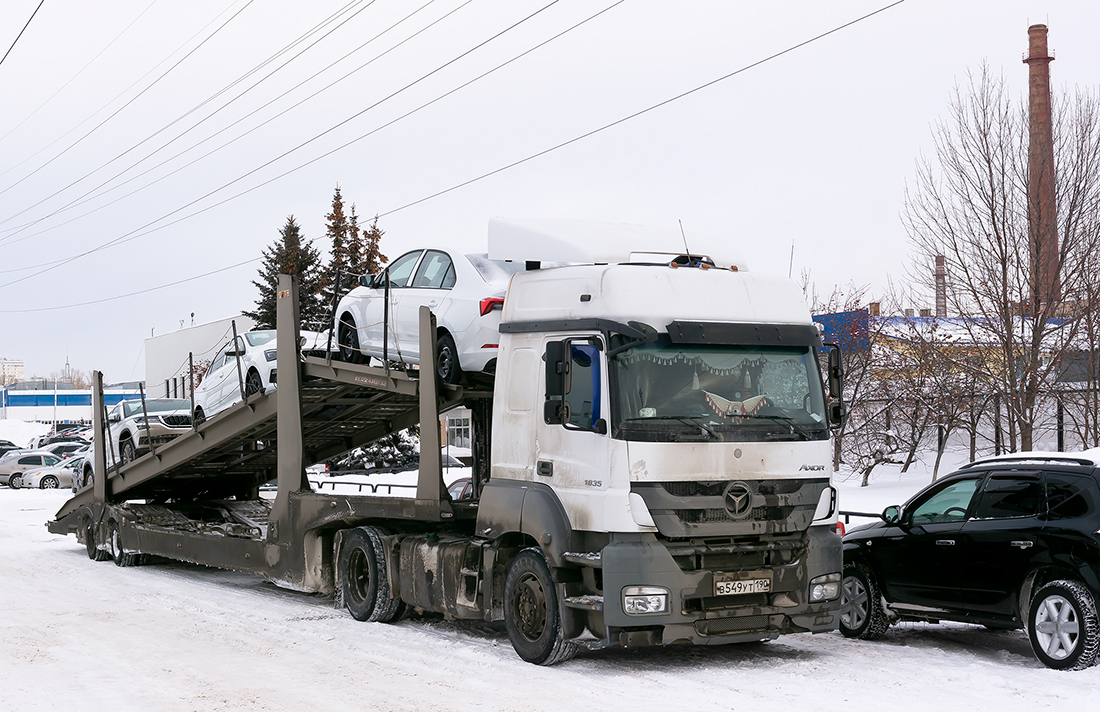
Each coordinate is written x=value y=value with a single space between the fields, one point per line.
x=240 y=79
x=80 y=200
x=73 y=78
x=490 y=173
x=132 y=100
x=22 y=31
x=136 y=232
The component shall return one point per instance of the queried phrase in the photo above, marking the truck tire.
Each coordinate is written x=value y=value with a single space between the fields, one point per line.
x=861 y=614
x=531 y=612
x=94 y=552
x=1062 y=626
x=364 y=584
x=114 y=543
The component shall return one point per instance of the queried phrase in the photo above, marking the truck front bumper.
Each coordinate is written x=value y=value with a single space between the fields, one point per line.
x=695 y=614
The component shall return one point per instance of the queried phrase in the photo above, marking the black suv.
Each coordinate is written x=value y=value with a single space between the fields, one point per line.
x=1006 y=542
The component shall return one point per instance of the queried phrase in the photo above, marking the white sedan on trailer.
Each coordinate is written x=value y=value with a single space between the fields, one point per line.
x=466 y=294
x=221 y=386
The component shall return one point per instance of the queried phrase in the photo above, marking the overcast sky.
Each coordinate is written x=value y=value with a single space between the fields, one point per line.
x=813 y=148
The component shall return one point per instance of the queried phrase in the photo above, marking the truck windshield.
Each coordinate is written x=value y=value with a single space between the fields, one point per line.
x=663 y=391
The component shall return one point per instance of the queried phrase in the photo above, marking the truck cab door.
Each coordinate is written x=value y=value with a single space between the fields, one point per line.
x=572 y=449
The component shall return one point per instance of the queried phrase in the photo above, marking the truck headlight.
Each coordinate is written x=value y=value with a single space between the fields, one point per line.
x=825 y=588
x=642 y=600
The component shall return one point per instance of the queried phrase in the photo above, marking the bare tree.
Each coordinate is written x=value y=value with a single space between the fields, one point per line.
x=970 y=203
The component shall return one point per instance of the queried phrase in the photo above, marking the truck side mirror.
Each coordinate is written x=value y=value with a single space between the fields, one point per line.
x=556 y=409
x=836 y=371
x=838 y=413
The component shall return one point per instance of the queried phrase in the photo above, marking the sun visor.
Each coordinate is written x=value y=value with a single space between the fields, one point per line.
x=585 y=242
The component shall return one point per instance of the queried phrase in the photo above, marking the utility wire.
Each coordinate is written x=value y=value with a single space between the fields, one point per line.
x=22 y=31
x=503 y=168
x=136 y=232
x=132 y=100
x=73 y=78
x=301 y=39
x=83 y=199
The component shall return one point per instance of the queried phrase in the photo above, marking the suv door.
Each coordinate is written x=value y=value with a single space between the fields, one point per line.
x=1001 y=540
x=919 y=558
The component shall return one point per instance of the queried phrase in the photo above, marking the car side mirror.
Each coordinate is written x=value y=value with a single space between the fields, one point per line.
x=113 y=419
x=891 y=515
x=366 y=280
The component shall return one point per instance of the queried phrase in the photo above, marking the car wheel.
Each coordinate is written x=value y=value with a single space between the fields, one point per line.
x=1062 y=625
x=49 y=482
x=347 y=338
x=861 y=611
x=126 y=451
x=531 y=612
x=252 y=384
x=447 y=360
x=199 y=417
x=15 y=481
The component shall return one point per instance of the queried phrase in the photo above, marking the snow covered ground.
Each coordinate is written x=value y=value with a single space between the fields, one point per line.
x=79 y=634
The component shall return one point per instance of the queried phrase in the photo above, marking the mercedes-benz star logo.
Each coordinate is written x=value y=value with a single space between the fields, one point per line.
x=738 y=498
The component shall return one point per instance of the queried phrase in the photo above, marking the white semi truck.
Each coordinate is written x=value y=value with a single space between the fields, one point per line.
x=651 y=466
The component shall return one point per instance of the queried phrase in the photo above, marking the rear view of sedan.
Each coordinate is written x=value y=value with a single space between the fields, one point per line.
x=466 y=294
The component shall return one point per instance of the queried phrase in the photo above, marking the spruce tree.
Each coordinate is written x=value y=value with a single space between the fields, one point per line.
x=288 y=255
x=336 y=230
x=371 y=258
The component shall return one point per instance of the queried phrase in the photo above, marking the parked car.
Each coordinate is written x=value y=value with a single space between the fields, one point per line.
x=7 y=445
x=66 y=447
x=131 y=433
x=221 y=386
x=466 y=294
x=1005 y=542
x=60 y=475
x=15 y=462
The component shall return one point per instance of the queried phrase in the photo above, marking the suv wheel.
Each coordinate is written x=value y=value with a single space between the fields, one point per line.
x=862 y=614
x=1062 y=626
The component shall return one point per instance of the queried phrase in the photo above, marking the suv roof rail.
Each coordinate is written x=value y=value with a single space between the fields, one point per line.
x=1088 y=458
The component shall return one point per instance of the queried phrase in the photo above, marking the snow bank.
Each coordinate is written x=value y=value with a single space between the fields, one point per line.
x=21 y=433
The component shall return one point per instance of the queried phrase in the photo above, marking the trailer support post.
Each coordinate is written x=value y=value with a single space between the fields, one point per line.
x=99 y=479
x=429 y=485
x=291 y=474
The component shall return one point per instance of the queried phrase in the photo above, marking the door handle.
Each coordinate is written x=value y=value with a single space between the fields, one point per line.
x=544 y=468
x=433 y=303
x=945 y=542
x=1023 y=544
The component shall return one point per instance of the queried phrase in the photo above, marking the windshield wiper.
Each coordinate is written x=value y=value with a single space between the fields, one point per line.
x=790 y=422
x=686 y=420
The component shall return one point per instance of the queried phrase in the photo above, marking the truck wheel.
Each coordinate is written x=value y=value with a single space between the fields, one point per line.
x=94 y=552
x=365 y=585
x=861 y=612
x=347 y=338
x=114 y=543
x=447 y=360
x=126 y=451
x=531 y=611
x=1062 y=625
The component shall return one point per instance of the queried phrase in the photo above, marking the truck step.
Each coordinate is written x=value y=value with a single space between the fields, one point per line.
x=585 y=603
x=584 y=558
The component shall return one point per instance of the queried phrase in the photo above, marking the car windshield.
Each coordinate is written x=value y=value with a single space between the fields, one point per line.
x=160 y=405
x=259 y=338
x=666 y=391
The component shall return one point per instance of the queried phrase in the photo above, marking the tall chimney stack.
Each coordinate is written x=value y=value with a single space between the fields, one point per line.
x=941 y=286
x=1046 y=283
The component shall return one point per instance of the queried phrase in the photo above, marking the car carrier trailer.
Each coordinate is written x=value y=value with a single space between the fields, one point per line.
x=596 y=520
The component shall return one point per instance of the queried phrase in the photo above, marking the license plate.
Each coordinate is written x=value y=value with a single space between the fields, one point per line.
x=742 y=586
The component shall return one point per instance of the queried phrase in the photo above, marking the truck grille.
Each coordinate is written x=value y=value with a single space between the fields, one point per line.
x=731 y=507
x=738 y=624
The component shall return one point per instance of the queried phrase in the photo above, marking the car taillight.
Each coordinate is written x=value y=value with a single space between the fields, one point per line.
x=840 y=528
x=488 y=304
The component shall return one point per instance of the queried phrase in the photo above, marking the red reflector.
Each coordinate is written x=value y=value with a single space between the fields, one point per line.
x=490 y=346
x=488 y=304
x=840 y=528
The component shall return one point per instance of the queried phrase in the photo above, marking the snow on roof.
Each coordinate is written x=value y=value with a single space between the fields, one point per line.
x=586 y=242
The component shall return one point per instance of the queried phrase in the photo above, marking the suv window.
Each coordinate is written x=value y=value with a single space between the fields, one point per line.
x=1069 y=496
x=949 y=504
x=1010 y=495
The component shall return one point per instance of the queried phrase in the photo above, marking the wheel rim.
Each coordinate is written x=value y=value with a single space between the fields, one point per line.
x=116 y=543
x=530 y=607
x=349 y=342
x=853 y=603
x=49 y=483
x=358 y=575
x=127 y=454
x=446 y=363
x=252 y=384
x=1057 y=627
x=15 y=481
